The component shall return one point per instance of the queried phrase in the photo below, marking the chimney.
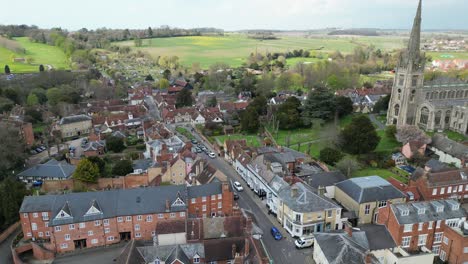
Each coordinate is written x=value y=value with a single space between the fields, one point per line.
x=247 y=247
x=349 y=229
x=168 y=208
x=294 y=191
x=234 y=251
x=368 y=258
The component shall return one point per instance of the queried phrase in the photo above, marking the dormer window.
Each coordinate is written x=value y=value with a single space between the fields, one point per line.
x=178 y=202
x=404 y=212
x=439 y=209
x=421 y=210
x=455 y=207
x=196 y=259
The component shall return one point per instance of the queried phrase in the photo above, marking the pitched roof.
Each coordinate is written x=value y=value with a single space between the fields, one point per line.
x=170 y=226
x=169 y=253
x=442 y=178
x=305 y=200
x=221 y=249
x=378 y=236
x=414 y=215
x=436 y=165
x=455 y=149
x=368 y=189
x=52 y=168
x=326 y=178
x=74 y=119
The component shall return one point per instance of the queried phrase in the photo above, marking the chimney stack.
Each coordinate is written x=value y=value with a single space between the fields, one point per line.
x=349 y=229
x=294 y=191
x=234 y=251
x=167 y=206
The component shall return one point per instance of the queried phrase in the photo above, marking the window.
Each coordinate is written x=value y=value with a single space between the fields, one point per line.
x=446 y=240
x=442 y=255
x=111 y=238
x=46 y=224
x=405 y=242
x=204 y=199
x=194 y=200
x=220 y=205
x=430 y=224
x=71 y=227
x=460 y=188
x=220 y=196
x=94 y=241
x=45 y=216
x=401 y=79
x=41 y=234
x=82 y=225
x=29 y=234
x=172 y=215
x=149 y=218
x=204 y=208
x=139 y=217
x=196 y=260
x=420 y=226
x=466 y=187
x=90 y=233
x=97 y=223
x=442 y=190
x=465 y=250
x=213 y=197
x=34 y=226
x=382 y=204
x=408 y=228
x=106 y=222
x=329 y=213
x=405 y=212
x=182 y=214
x=58 y=228
x=63 y=245
x=160 y=215
x=128 y=218
x=137 y=234
x=421 y=210
x=436 y=249
x=449 y=189
x=47 y=234
x=35 y=215
x=438 y=223
x=367 y=209
x=25 y=215
x=106 y=230
x=137 y=227
x=119 y=219
x=451 y=223
x=422 y=240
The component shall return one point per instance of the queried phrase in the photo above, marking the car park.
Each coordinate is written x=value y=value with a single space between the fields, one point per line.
x=238 y=186
x=198 y=150
x=212 y=155
x=276 y=233
x=304 y=242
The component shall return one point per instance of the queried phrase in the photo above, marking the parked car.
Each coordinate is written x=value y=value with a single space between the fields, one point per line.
x=304 y=242
x=238 y=186
x=276 y=233
x=236 y=196
x=39 y=150
x=194 y=141
x=198 y=150
x=37 y=183
x=43 y=148
x=212 y=155
x=33 y=152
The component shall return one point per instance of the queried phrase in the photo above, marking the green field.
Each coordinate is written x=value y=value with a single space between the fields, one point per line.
x=448 y=55
x=386 y=144
x=252 y=140
x=233 y=49
x=40 y=54
x=379 y=172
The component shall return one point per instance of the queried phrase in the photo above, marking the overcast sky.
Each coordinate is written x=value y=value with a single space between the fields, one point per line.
x=234 y=14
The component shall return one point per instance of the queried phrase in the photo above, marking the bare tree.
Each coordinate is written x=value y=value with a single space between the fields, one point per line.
x=406 y=134
x=347 y=166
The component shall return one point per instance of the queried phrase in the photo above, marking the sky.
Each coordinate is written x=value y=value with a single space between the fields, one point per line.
x=234 y=14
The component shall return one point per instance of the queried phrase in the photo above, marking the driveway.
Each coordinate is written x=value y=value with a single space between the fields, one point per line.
x=376 y=122
x=102 y=255
x=5 y=252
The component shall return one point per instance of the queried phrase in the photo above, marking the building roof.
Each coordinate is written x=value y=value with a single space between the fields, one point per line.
x=378 y=236
x=442 y=178
x=52 y=169
x=142 y=164
x=436 y=165
x=368 y=189
x=74 y=119
x=170 y=227
x=114 y=203
x=453 y=148
x=169 y=253
x=410 y=214
x=305 y=200
x=324 y=179
x=221 y=249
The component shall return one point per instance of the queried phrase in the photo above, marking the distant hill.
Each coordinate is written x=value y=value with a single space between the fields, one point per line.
x=357 y=32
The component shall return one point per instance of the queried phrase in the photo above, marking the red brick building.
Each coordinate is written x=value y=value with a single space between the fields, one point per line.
x=421 y=224
x=454 y=247
x=435 y=185
x=83 y=220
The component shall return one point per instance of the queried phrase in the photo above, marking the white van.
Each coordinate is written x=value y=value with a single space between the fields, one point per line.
x=304 y=242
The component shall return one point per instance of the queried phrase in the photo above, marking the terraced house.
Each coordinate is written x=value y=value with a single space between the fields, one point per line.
x=91 y=219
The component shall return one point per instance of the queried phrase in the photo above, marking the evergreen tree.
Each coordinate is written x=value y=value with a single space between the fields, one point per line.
x=249 y=120
x=149 y=78
x=122 y=168
x=360 y=136
x=330 y=155
x=212 y=102
x=289 y=114
x=115 y=144
x=344 y=106
x=150 y=32
x=100 y=163
x=184 y=98
x=320 y=104
x=86 y=171
x=7 y=69
x=41 y=68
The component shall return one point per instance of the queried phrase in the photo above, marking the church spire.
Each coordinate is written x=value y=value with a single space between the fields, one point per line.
x=415 y=38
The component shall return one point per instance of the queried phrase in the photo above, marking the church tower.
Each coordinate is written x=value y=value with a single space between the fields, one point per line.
x=408 y=82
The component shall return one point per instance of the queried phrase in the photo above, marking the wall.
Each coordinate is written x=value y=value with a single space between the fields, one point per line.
x=319 y=257
x=5 y=234
x=455 y=248
x=390 y=258
x=172 y=239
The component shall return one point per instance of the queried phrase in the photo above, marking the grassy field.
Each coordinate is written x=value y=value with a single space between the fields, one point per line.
x=233 y=49
x=448 y=55
x=40 y=54
x=386 y=144
x=252 y=140
x=379 y=172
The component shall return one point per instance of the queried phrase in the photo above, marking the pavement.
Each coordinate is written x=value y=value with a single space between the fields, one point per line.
x=282 y=251
x=152 y=108
x=101 y=255
x=5 y=251
x=376 y=122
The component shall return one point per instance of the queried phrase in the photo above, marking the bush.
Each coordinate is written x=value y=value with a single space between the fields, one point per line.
x=122 y=168
x=140 y=147
x=115 y=144
x=330 y=155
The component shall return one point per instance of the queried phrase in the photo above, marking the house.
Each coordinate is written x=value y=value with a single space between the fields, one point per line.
x=94 y=148
x=449 y=151
x=51 y=170
x=76 y=125
x=365 y=195
x=91 y=219
x=455 y=244
x=233 y=148
x=449 y=183
x=229 y=107
x=202 y=173
x=179 y=115
x=399 y=159
x=422 y=224
x=413 y=147
x=326 y=180
x=158 y=148
x=141 y=166
x=175 y=172
x=303 y=212
x=434 y=165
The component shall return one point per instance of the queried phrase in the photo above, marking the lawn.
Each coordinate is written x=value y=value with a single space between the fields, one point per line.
x=40 y=54
x=234 y=48
x=448 y=55
x=455 y=136
x=379 y=172
x=185 y=132
x=252 y=140
x=386 y=144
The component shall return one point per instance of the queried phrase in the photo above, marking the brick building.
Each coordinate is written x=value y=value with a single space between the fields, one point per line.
x=83 y=220
x=452 y=183
x=454 y=247
x=421 y=224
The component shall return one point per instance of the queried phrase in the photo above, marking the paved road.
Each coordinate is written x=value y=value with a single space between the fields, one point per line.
x=152 y=108
x=282 y=251
x=377 y=122
x=5 y=252
x=103 y=255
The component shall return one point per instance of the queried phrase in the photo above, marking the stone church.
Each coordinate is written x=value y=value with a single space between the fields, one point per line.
x=434 y=106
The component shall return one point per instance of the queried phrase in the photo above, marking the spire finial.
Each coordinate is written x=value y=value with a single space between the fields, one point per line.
x=415 y=38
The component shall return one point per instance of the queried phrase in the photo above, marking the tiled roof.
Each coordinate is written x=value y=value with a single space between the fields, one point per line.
x=221 y=249
x=378 y=237
x=455 y=149
x=324 y=179
x=430 y=212
x=170 y=227
x=368 y=189
x=443 y=178
x=52 y=168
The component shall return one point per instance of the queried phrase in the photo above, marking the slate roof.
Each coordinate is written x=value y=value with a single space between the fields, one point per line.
x=142 y=164
x=130 y=254
x=169 y=253
x=455 y=149
x=324 y=179
x=52 y=168
x=430 y=213
x=442 y=178
x=221 y=249
x=305 y=200
x=74 y=119
x=368 y=189
x=116 y=202
x=436 y=165
x=378 y=236
x=94 y=145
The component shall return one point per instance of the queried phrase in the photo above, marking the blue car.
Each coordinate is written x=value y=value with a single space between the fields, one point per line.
x=276 y=233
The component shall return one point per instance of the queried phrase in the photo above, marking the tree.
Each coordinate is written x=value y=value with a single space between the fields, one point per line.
x=382 y=104
x=344 y=106
x=330 y=155
x=122 y=168
x=320 y=104
x=259 y=103
x=249 y=120
x=212 y=102
x=150 y=32
x=408 y=133
x=115 y=144
x=149 y=78
x=12 y=149
x=163 y=83
x=360 y=136
x=54 y=96
x=289 y=114
x=86 y=171
x=184 y=98
x=12 y=193
x=167 y=74
x=7 y=69
x=32 y=100
x=390 y=132
x=41 y=68
x=347 y=166
x=100 y=163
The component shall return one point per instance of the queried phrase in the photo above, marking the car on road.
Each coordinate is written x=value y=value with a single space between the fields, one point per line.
x=236 y=196
x=304 y=242
x=276 y=233
x=194 y=141
x=238 y=186
x=212 y=155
